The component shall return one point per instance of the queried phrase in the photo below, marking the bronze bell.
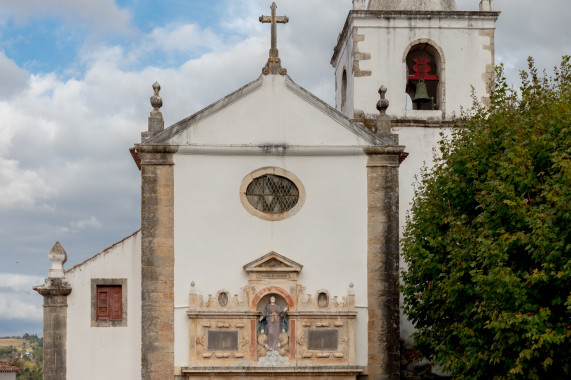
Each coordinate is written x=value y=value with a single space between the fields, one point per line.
x=421 y=94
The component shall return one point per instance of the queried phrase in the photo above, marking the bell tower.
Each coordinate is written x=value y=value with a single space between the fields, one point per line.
x=428 y=55
x=426 y=52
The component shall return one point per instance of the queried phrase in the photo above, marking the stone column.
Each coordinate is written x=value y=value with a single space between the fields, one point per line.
x=55 y=292
x=383 y=261
x=157 y=261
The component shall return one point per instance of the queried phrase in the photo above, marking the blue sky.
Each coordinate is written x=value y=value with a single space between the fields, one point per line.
x=76 y=80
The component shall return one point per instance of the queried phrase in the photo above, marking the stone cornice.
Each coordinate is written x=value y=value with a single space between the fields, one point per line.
x=405 y=14
x=223 y=314
x=402 y=123
x=155 y=154
x=153 y=148
x=275 y=371
x=54 y=290
x=384 y=150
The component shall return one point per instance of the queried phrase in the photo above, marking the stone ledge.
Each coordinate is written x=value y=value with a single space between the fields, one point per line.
x=380 y=150
x=274 y=371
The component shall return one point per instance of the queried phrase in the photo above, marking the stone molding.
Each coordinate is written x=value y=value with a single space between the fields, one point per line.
x=283 y=373
x=54 y=292
x=374 y=151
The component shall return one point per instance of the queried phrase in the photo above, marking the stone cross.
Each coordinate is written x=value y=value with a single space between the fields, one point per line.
x=274 y=66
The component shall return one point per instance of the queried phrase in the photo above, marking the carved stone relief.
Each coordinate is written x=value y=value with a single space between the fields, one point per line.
x=273 y=322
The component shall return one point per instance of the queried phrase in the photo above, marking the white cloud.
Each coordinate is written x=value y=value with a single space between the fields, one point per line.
x=20 y=187
x=79 y=225
x=13 y=78
x=181 y=38
x=17 y=299
x=102 y=15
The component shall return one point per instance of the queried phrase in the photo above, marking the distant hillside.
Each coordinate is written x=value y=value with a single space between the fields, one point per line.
x=26 y=352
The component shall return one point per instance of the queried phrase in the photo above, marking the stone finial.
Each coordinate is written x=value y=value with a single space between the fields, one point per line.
x=58 y=257
x=359 y=4
x=383 y=104
x=486 y=5
x=383 y=121
x=156 y=122
x=156 y=100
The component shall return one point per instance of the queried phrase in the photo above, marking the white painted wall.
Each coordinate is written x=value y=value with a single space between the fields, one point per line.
x=419 y=142
x=7 y=376
x=215 y=236
x=105 y=352
x=273 y=114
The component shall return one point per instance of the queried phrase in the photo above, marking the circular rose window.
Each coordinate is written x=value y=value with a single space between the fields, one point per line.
x=272 y=193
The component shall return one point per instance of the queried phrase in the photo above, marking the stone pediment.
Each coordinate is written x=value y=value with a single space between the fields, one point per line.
x=270 y=111
x=273 y=262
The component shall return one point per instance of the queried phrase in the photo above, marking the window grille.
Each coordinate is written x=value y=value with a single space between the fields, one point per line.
x=272 y=194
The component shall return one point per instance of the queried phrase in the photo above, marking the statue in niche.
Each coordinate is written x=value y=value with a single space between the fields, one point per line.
x=262 y=344
x=283 y=344
x=273 y=320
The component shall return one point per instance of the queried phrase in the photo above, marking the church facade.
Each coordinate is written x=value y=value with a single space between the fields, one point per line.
x=270 y=221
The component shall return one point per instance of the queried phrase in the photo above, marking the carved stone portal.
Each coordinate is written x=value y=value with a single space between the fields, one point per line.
x=273 y=324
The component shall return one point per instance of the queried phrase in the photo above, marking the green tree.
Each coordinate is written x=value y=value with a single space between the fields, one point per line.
x=487 y=243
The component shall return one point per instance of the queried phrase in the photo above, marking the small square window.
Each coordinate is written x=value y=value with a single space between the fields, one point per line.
x=108 y=302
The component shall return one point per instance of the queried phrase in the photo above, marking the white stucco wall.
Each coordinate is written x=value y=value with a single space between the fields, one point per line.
x=105 y=352
x=215 y=235
x=7 y=376
x=274 y=113
x=419 y=142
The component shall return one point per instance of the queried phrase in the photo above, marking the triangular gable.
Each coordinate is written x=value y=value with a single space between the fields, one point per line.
x=273 y=262
x=270 y=110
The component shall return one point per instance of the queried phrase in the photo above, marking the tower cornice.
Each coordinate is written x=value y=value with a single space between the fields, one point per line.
x=362 y=14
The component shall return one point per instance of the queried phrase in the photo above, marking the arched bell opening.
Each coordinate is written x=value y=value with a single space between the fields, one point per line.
x=424 y=66
x=344 y=91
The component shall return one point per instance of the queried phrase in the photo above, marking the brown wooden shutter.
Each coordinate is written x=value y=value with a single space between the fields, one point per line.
x=116 y=304
x=109 y=303
x=102 y=303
